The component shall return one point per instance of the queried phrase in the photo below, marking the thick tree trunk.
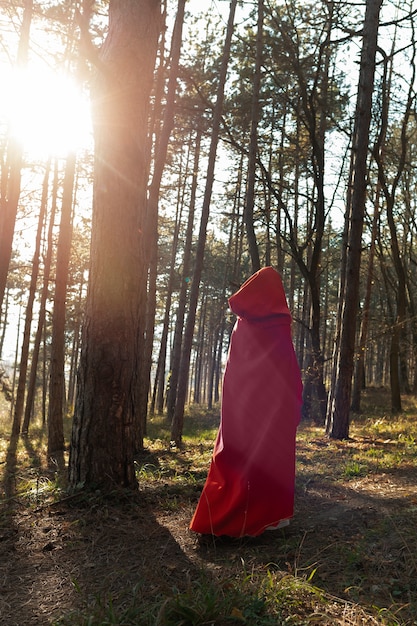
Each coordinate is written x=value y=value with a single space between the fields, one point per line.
x=105 y=419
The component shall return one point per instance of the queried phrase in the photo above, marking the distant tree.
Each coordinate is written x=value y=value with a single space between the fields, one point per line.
x=300 y=100
x=178 y=419
x=21 y=385
x=44 y=298
x=162 y=141
x=253 y=143
x=184 y=285
x=56 y=444
x=397 y=352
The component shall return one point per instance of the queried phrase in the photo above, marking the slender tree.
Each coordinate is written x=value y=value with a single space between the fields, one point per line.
x=11 y=170
x=57 y=370
x=152 y=208
x=178 y=419
x=379 y=150
x=21 y=385
x=30 y=394
x=337 y=420
x=398 y=330
x=253 y=143
x=185 y=277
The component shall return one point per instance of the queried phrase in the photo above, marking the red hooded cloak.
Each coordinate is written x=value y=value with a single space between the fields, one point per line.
x=250 y=484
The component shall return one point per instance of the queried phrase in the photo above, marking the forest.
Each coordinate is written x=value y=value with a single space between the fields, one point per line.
x=155 y=154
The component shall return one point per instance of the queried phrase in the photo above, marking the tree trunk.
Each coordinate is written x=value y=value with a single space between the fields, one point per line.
x=21 y=385
x=178 y=419
x=253 y=145
x=186 y=262
x=152 y=214
x=57 y=372
x=105 y=419
x=337 y=423
x=11 y=175
x=30 y=395
x=360 y=358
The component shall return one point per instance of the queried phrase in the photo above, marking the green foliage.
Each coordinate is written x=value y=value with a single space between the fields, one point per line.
x=354 y=468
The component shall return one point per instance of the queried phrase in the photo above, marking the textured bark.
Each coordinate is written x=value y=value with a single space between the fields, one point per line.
x=105 y=419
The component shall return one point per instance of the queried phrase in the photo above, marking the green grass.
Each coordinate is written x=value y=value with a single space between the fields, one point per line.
x=279 y=601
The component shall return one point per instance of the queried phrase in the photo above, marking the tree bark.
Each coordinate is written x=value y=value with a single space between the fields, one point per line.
x=337 y=421
x=111 y=361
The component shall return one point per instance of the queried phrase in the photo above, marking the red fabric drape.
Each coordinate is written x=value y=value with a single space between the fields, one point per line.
x=250 y=484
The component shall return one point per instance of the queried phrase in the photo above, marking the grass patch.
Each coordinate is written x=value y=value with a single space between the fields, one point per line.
x=268 y=601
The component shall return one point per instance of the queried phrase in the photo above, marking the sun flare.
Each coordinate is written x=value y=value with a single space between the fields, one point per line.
x=46 y=111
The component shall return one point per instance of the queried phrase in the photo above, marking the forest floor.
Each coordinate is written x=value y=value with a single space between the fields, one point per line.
x=348 y=557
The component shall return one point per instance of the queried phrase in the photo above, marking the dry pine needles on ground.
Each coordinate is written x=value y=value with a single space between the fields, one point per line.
x=348 y=557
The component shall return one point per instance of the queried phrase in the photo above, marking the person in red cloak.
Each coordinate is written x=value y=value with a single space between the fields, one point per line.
x=250 y=483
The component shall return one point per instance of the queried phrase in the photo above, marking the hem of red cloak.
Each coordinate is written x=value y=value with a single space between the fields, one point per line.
x=267 y=527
